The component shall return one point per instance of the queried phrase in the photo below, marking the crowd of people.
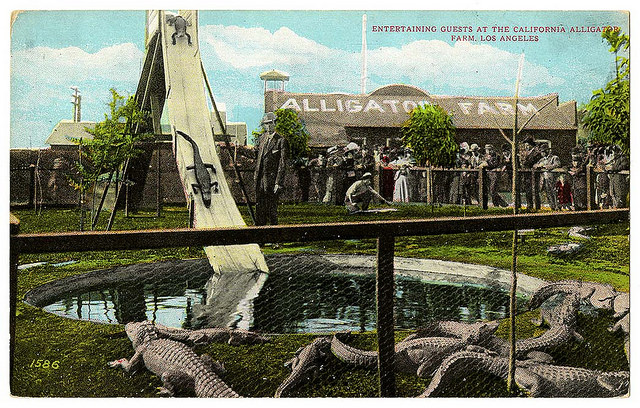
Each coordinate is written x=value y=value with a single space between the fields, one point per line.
x=564 y=187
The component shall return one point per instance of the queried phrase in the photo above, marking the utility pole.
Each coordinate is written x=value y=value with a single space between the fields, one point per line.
x=511 y=385
x=76 y=101
x=363 y=78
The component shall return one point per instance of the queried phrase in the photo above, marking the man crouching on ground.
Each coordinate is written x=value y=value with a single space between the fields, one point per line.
x=359 y=194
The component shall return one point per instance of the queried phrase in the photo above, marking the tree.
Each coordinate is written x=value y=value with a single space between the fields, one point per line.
x=607 y=115
x=114 y=143
x=290 y=126
x=430 y=134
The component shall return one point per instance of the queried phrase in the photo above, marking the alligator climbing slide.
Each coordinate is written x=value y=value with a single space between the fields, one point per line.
x=239 y=270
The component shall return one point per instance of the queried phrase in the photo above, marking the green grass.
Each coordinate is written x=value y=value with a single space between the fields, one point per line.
x=83 y=348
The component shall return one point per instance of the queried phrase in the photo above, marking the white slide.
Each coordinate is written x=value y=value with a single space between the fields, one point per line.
x=239 y=270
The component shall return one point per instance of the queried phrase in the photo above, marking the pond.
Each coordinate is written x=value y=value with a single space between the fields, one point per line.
x=301 y=294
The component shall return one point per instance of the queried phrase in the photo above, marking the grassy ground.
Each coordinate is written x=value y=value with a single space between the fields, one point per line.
x=82 y=349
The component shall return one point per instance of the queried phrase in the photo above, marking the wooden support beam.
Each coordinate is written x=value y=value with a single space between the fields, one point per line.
x=123 y=240
x=385 y=293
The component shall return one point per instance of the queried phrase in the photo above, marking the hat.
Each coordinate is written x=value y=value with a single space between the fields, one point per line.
x=366 y=175
x=488 y=146
x=351 y=146
x=475 y=147
x=268 y=118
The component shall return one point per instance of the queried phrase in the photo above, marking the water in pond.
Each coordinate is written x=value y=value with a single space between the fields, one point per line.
x=293 y=300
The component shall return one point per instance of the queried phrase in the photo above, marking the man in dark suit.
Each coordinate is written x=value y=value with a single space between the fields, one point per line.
x=269 y=172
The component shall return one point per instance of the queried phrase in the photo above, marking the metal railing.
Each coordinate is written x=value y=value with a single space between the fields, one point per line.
x=384 y=231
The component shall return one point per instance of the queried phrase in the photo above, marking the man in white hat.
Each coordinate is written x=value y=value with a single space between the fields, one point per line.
x=360 y=193
x=269 y=171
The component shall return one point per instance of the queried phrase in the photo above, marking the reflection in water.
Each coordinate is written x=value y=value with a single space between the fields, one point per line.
x=296 y=298
x=317 y=302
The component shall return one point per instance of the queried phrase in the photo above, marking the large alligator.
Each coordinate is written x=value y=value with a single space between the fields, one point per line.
x=203 y=182
x=562 y=319
x=563 y=322
x=234 y=337
x=600 y=295
x=472 y=333
x=418 y=356
x=538 y=378
x=181 y=370
x=305 y=364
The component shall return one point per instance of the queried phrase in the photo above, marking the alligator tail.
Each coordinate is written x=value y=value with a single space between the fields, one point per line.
x=460 y=363
x=352 y=355
x=186 y=136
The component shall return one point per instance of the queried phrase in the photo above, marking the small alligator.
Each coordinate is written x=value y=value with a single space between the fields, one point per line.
x=234 y=337
x=600 y=295
x=623 y=325
x=538 y=378
x=305 y=364
x=181 y=370
x=180 y=24
x=471 y=333
x=203 y=179
x=418 y=356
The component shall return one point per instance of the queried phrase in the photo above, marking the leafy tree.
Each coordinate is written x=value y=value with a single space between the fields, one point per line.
x=430 y=134
x=291 y=127
x=113 y=144
x=607 y=115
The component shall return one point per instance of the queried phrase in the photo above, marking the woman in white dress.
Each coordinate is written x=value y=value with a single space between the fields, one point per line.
x=401 y=189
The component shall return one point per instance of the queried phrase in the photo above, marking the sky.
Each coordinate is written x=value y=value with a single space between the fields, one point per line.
x=96 y=50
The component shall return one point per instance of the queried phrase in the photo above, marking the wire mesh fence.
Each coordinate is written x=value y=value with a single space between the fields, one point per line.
x=314 y=328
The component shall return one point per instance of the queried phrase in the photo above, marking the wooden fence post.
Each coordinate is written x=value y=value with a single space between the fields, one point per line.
x=483 y=195
x=590 y=197
x=535 y=189
x=158 y=182
x=14 y=258
x=385 y=293
x=429 y=177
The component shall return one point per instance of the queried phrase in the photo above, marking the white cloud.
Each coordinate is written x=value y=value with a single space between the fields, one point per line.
x=43 y=64
x=244 y=48
x=462 y=65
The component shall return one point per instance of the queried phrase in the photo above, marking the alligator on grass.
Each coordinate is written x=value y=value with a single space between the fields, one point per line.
x=471 y=333
x=418 y=356
x=600 y=295
x=306 y=364
x=234 y=337
x=181 y=370
x=537 y=378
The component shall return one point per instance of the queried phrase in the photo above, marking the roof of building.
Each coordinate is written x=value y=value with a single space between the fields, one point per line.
x=327 y=115
x=67 y=130
x=274 y=75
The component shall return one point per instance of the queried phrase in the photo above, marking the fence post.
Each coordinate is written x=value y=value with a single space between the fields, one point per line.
x=483 y=197
x=385 y=293
x=535 y=187
x=192 y=211
x=14 y=257
x=429 y=177
x=32 y=185
x=590 y=196
x=158 y=181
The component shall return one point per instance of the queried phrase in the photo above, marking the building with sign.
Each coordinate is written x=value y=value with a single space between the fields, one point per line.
x=375 y=119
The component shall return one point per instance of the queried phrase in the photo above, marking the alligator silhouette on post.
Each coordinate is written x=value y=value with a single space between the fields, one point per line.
x=203 y=184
